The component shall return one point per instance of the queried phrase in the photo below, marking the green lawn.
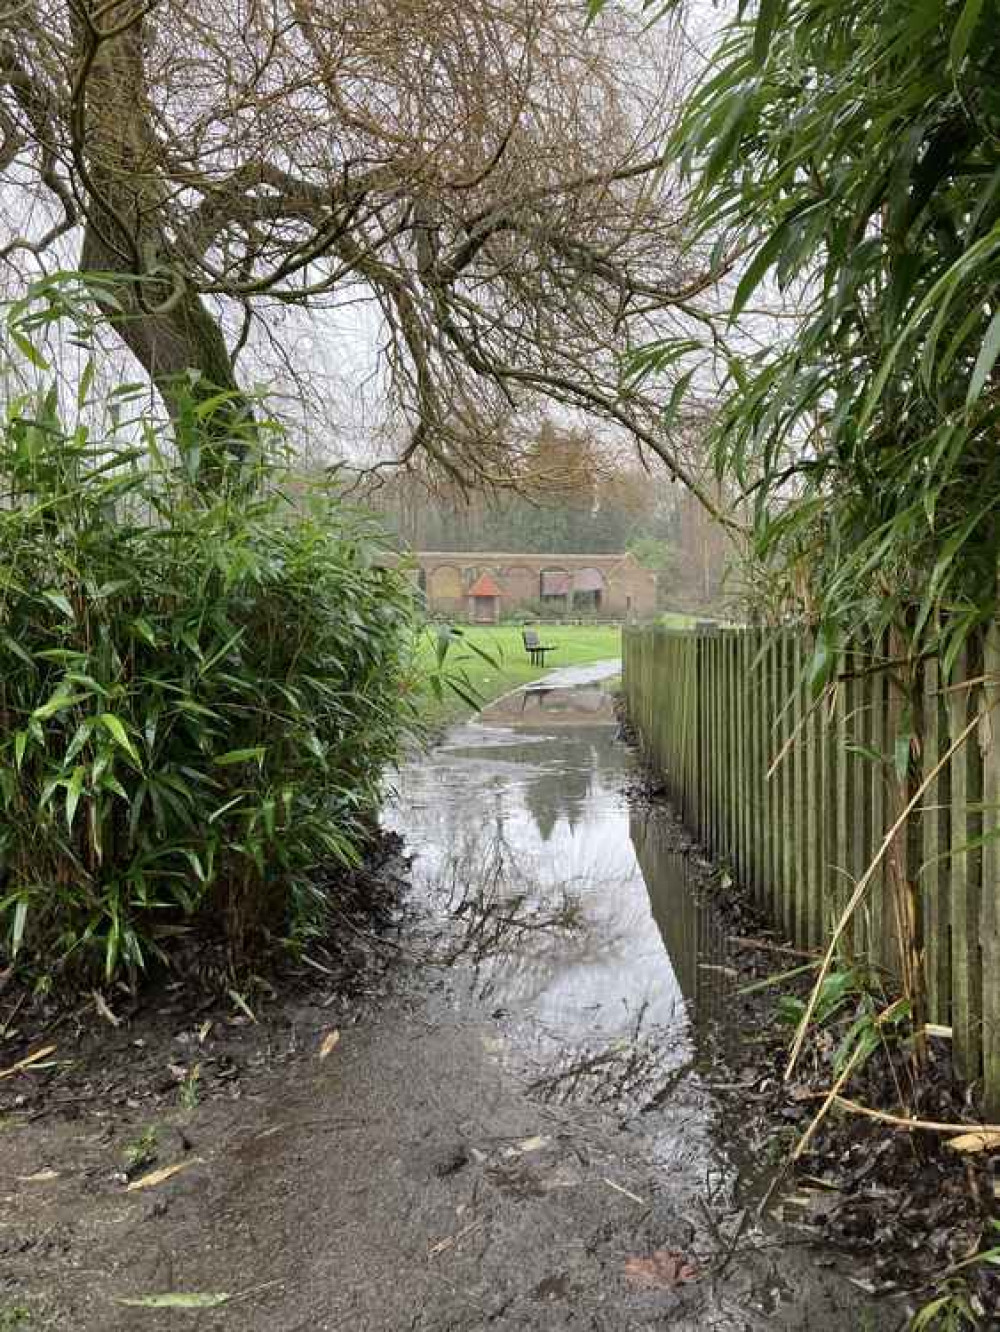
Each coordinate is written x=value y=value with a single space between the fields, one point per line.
x=677 y=620
x=575 y=645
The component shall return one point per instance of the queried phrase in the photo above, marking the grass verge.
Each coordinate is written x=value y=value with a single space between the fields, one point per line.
x=575 y=645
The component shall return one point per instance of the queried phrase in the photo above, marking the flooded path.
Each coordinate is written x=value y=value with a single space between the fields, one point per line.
x=606 y=984
x=516 y=1125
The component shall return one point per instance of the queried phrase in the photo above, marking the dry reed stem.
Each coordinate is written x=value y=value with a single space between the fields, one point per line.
x=910 y=1123
x=860 y=890
x=834 y=1091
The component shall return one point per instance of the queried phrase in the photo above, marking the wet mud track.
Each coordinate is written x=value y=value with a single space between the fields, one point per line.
x=523 y=1135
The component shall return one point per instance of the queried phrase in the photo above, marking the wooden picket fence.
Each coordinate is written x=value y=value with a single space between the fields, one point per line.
x=798 y=794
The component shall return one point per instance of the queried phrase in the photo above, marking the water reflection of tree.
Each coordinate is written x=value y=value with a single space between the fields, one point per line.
x=575 y=768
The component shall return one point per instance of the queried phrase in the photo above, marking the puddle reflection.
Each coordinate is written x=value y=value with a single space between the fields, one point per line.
x=580 y=927
x=580 y=923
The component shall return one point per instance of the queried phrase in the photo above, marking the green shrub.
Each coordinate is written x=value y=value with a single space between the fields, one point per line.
x=200 y=690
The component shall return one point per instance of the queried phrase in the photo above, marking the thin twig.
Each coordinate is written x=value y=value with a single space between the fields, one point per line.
x=834 y=1094
x=764 y=944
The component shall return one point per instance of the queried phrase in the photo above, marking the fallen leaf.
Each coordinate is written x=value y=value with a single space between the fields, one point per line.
x=39 y=1177
x=330 y=1043
x=27 y=1062
x=627 y=1192
x=242 y=1004
x=451 y=1240
x=981 y=1140
x=533 y=1144
x=662 y=1270
x=192 y=1299
x=203 y=1031
x=176 y=1300
x=100 y=1003
x=159 y=1176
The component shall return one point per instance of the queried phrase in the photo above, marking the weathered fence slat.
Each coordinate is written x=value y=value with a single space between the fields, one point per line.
x=796 y=793
x=989 y=919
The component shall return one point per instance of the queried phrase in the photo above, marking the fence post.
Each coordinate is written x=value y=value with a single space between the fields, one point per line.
x=815 y=820
x=713 y=841
x=838 y=794
x=963 y=888
x=763 y=698
x=989 y=921
x=934 y=872
x=880 y=742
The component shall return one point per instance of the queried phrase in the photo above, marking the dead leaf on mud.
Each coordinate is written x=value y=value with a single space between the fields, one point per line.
x=27 y=1061
x=39 y=1177
x=664 y=1269
x=176 y=1300
x=618 y=1188
x=104 y=1010
x=450 y=1241
x=160 y=1176
x=981 y=1140
x=532 y=1144
x=330 y=1042
x=242 y=1005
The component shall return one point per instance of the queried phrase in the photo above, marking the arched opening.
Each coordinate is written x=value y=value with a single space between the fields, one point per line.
x=445 y=590
x=555 y=589
x=588 y=591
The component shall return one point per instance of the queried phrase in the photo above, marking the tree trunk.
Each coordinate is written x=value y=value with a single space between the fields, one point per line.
x=166 y=325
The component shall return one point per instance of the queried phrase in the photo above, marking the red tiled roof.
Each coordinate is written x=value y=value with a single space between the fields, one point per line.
x=485 y=586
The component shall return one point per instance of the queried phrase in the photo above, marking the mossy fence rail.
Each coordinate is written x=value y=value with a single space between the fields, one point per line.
x=798 y=793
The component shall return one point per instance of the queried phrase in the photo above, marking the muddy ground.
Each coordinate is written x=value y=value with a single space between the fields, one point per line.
x=541 y=1109
x=406 y=1181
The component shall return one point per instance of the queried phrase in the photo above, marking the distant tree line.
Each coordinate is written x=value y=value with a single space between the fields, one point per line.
x=573 y=494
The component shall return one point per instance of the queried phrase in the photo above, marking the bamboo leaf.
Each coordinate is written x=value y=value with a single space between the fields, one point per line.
x=768 y=14
x=253 y=755
x=116 y=728
x=985 y=361
x=964 y=28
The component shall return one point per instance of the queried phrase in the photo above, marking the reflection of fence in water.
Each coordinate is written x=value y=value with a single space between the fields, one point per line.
x=692 y=931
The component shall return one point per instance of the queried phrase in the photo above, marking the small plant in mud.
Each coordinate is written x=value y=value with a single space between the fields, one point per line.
x=850 y=1010
x=949 y=1311
x=14 y=1317
x=957 y=1306
x=188 y=1091
x=141 y=1152
x=838 y=989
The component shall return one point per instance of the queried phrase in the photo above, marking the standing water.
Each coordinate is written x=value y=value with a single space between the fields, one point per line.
x=577 y=928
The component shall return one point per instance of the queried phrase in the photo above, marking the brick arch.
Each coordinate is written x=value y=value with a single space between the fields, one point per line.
x=589 y=579
x=445 y=583
x=590 y=588
x=555 y=582
x=520 y=582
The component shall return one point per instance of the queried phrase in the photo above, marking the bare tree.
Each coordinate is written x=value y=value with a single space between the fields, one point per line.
x=483 y=173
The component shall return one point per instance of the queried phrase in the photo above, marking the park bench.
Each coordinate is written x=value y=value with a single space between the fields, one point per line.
x=535 y=649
